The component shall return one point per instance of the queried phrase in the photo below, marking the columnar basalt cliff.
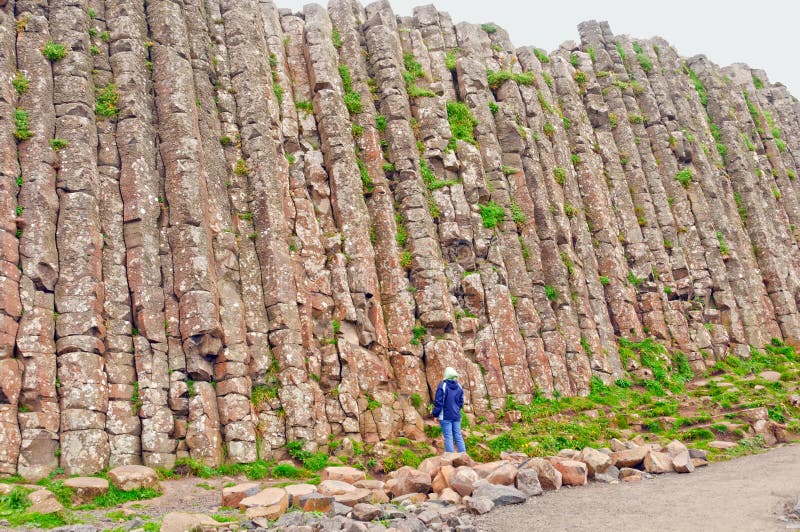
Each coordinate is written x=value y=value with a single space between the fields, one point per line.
x=226 y=226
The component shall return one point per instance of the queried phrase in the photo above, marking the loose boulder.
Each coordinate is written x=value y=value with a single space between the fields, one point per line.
x=549 y=477
x=233 y=495
x=133 y=477
x=527 y=481
x=85 y=489
x=351 y=475
x=573 y=473
x=596 y=462
x=499 y=495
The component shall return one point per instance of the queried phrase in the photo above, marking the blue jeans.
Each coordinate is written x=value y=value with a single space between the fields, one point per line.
x=451 y=430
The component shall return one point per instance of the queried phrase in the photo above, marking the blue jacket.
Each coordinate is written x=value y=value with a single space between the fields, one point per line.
x=448 y=404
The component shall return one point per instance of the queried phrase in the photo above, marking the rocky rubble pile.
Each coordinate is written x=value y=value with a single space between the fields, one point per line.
x=444 y=490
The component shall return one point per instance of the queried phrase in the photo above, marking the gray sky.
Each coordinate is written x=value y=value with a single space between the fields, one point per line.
x=761 y=34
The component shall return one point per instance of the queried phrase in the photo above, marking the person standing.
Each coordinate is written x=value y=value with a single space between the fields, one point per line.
x=447 y=406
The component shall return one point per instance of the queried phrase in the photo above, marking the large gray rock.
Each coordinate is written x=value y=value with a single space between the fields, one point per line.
x=500 y=495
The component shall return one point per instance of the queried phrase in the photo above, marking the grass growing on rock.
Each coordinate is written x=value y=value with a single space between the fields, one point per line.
x=663 y=406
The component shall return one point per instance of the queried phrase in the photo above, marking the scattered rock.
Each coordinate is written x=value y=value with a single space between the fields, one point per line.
x=630 y=457
x=181 y=522
x=569 y=454
x=698 y=453
x=86 y=489
x=46 y=506
x=133 y=477
x=335 y=487
x=479 y=505
x=656 y=462
x=296 y=490
x=351 y=475
x=499 y=495
x=233 y=495
x=410 y=480
x=549 y=477
x=681 y=459
x=450 y=495
x=505 y=474
x=366 y=512
x=699 y=462
x=609 y=476
x=266 y=503
x=596 y=462
x=463 y=480
x=721 y=445
x=627 y=474
x=315 y=502
x=771 y=376
x=527 y=481
x=573 y=473
x=354 y=497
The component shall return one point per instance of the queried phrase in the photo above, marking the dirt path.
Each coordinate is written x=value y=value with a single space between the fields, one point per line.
x=748 y=493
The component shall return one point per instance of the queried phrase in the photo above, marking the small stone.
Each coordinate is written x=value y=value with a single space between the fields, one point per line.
x=463 y=480
x=370 y=484
x=354 y=497
x=699 y=462
x=86 y=489
x=505 y=474
x=569 y=454
x=770 y=376
x=527 y=481
x=315 y=502
x=351 y=475
x=450 y=495
x=616 y=445
x=698 y=453
x=627 y=474
x=133 y=477
x=410 y=480
x=181 y=521
x=46 y=506
x=721 y=445
x=233 y=495
x=366 y=512
x=630 y=457
x=266 y=497
x=674 y=448
x=549 y=477
x=573 y=473
x=413 y=498
x=595 y=461
x=335 y=487
x=655 y=462
x=500 y=495
x=296 y=490
x=479 y=505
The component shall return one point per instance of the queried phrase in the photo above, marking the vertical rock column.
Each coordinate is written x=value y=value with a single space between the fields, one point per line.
x=35 y=342
x=122 y=421
x=231 y=367
x=427 y=275
x=361 y=314
x=193 y=266
x=79 y=291
x=300 y=400
x=142 y=200
x=10 y=303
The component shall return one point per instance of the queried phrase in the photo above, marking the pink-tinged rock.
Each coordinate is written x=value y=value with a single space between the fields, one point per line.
x=270 y=503
x=352 y=498
x=85 y=489
x=368 y=484
x=335 y=487
x=721 y=445
x=699 y=462
x=10 y=380
x=132 y=477
x=459 y=459
x=771 y=376
x=569 y=454
x=549 y=477
x=505 y=474
x=351 y=475
x=630 y=457
x=527 y=482
x=295 y=491
x=484 y=470
x=233 y=495
x=595 y=461
x=315 y=502
x=573 y=473
x=411 y=481
x=450 y=495
x=627 y=474
x=682 y=463
x=47 y=506
x=366 y=512
x=181 y=522
x=656 y=462
x=463 y=480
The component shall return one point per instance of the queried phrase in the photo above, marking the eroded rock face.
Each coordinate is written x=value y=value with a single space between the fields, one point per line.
x=247 y=232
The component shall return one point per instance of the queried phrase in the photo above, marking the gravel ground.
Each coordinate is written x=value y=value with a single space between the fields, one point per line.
x=750 y=493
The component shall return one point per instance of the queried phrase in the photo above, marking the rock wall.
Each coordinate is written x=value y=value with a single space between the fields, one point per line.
x=226 y=226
